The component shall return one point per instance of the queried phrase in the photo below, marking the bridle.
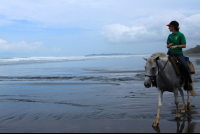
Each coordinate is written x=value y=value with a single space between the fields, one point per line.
x=159 y=72
x=153 y=77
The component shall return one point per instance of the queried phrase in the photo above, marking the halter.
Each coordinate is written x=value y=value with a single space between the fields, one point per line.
x=153 y=78
x=159 y=72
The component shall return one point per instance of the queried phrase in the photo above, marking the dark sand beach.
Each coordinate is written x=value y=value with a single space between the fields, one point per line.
x=56 y=97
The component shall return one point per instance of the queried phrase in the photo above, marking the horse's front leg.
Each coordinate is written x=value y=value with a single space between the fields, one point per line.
x=160 y=95
x=182 y=95
x=176 y=102
x=189 y=107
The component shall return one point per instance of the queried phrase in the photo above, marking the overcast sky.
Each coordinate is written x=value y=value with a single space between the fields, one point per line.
x=81 y=27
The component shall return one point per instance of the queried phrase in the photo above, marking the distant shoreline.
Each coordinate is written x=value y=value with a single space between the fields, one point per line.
x=108 y=54
x=112 y=54
x=193 y=55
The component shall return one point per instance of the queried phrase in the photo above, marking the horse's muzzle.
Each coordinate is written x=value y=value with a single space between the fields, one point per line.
x=147 y=85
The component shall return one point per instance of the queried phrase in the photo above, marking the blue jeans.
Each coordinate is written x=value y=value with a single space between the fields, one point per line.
x=184 y=65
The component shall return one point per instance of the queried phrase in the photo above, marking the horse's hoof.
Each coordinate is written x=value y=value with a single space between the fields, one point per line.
x=157 y=129
x=189 y=108
x=155 y=125
x=183 y=111
x=178 y=118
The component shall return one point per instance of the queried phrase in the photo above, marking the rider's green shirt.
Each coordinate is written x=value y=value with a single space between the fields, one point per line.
x=177 y=39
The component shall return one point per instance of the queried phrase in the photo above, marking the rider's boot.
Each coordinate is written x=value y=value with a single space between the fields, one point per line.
x=188 y=86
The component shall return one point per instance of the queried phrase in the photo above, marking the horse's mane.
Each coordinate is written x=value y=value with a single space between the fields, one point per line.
x=161 y=55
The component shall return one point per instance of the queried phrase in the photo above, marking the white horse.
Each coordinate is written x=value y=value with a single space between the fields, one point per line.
x=158 y=66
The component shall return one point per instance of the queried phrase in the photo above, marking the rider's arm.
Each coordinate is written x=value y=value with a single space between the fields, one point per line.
x=182 y=46
x=183 y=41
x=179 y=46
x=169 y=45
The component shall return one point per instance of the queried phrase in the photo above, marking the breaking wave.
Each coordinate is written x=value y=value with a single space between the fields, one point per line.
x=28 y=60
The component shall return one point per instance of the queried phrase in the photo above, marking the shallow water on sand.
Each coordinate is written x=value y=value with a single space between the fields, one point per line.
x=105 y=95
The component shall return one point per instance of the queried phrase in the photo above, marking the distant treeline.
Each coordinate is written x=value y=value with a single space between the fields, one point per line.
x=193 y=50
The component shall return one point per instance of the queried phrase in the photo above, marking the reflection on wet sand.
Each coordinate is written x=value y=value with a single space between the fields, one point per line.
x=190 y=128
x=197 y=61
x=66 y=100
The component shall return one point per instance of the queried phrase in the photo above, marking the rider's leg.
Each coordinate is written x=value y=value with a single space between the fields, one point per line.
x=185 y=66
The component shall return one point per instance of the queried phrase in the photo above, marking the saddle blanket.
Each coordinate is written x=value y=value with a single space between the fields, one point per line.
x=191 y=66
x=177 y=65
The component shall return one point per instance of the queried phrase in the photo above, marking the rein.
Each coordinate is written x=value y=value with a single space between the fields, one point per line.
x=159 y=72
x=163 y=67
x=153 y=78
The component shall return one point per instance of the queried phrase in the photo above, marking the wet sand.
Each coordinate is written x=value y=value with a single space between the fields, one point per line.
x=98 y=126
x=90 y=106
x=109 y=101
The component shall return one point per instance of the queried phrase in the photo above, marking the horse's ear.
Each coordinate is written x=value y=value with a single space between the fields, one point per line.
x=157 y=58
x=145 y=58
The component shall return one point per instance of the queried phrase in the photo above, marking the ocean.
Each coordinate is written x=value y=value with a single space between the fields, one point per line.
x=67 y=66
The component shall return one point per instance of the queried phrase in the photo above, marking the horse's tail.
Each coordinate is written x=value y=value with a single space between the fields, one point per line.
x=192 y=92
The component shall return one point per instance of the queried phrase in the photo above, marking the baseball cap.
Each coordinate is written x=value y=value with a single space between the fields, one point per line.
x=174 y=23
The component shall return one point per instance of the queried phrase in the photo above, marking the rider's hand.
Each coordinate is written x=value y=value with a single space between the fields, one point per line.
x=172 y=47
x=168 y=46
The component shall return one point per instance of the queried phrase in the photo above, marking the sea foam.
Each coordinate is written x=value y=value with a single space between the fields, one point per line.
x=27 y=60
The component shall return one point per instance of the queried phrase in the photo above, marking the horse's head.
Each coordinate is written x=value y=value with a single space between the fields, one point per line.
x=151 y=70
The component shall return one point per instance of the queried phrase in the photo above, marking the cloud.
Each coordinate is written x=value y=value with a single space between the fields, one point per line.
x=117 y=33
x=46 y=13
x=55 y=49
x=4 y=22
x=153 y=29
x=24 y=48
x=85 y=13
x=20 y=46
x=2 y=41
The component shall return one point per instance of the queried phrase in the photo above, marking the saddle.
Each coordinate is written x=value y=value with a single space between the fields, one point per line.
x=191 y=66
x=177 y=65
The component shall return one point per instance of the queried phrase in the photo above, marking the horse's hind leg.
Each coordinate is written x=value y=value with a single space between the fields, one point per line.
x=160 y=95
x=189 y=107
x=176 y=102
x=182 y=95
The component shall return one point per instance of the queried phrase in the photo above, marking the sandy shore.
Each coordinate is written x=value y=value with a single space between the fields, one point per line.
x=88 y=100
x=91 y=106
x=99 y=126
